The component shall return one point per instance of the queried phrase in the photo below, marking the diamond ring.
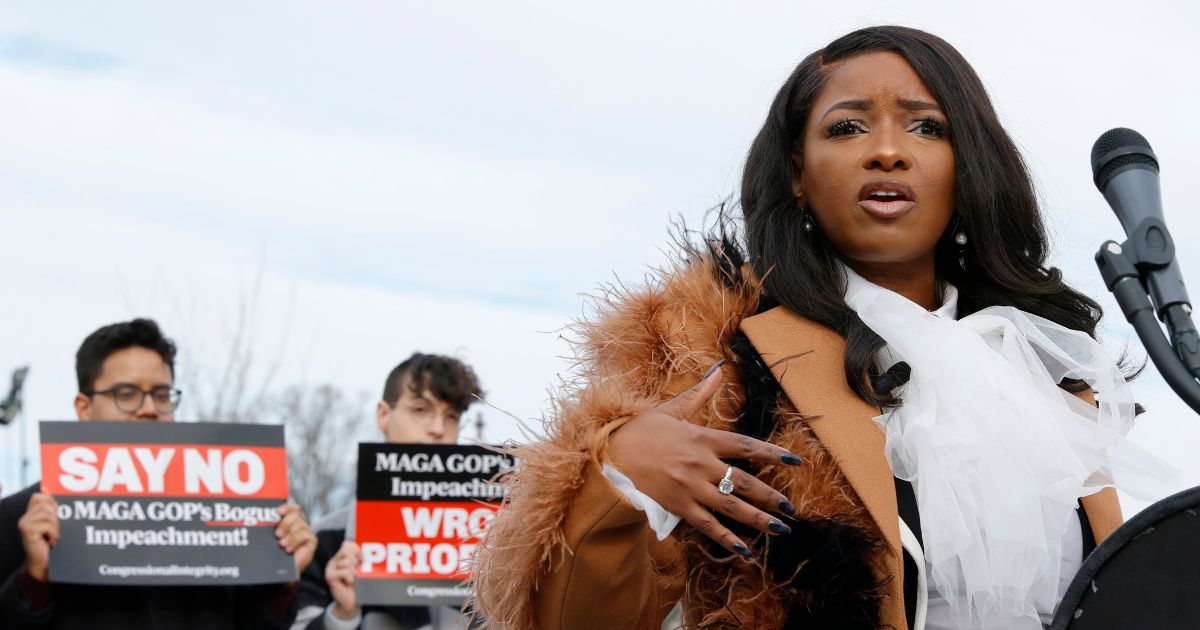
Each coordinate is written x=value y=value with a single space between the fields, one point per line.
x=726 y=484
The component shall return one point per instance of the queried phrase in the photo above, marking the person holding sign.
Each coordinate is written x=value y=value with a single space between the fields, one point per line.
x=423 y=401
x=126 y=373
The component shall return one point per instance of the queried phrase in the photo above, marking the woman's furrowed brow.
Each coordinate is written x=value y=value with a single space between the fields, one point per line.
x=858 y=105
x=862 y=105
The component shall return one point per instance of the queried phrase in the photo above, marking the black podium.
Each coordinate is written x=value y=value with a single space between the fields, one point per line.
x=1145 y=575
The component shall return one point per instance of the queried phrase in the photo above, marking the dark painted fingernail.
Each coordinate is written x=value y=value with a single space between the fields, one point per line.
x=778 y=527
x=716 y=366
x=742 y=549
x=788 y=458
x=786 y=507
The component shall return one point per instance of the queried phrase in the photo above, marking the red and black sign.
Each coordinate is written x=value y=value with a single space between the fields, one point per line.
x=166 y=503
x=420 y=511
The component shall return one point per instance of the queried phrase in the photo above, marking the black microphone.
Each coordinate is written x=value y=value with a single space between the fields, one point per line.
x=1125 y=170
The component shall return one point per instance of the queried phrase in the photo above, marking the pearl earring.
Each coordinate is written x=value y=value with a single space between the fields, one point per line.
x=960 y=239
x=806 y=220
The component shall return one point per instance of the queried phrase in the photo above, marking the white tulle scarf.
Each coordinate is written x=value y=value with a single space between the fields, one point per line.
x=997 y=453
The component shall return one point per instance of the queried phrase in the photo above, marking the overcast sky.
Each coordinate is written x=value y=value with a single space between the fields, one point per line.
x=451 y=178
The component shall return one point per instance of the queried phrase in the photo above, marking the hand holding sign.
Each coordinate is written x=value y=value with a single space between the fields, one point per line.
x=339 y=575
x=295 y=536
x=39 y=532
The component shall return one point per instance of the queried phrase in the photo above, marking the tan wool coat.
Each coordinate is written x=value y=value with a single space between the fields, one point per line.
x=568 y=551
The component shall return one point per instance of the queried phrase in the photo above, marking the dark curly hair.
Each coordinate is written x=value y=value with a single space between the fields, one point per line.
x=142 y=333
x=447 y=378
x=994 y=195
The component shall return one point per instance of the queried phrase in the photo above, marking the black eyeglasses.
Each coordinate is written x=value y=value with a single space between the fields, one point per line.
x=129 y=398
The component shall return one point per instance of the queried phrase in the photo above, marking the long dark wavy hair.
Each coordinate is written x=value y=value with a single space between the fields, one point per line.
x=994 y=198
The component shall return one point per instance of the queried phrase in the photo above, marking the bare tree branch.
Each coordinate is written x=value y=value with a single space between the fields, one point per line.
x=239 y=389
x=322 y=426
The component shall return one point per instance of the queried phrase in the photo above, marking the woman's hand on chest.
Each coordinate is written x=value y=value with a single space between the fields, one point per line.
x=678 y=464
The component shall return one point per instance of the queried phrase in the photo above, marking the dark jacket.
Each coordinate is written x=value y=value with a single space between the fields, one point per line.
x=70 y=606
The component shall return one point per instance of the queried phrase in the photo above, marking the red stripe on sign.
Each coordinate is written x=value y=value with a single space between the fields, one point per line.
x=165 y=470
x=418 y=540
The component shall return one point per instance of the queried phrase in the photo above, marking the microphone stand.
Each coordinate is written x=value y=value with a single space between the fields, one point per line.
x=1124 y=268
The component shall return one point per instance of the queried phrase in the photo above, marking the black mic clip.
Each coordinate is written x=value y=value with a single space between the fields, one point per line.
x=1124 y=267
x=1150 y=247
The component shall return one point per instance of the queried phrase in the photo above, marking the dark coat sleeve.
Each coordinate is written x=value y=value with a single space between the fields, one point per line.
x=266 y=606
x=15 y=609
x=314 y=594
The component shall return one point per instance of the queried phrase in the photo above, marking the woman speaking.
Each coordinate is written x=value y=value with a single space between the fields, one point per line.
x=868 y=403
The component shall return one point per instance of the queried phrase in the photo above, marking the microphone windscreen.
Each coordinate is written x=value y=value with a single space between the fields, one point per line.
x=1117 y=148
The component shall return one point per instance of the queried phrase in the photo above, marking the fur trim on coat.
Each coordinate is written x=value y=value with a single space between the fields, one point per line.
x=646 y=345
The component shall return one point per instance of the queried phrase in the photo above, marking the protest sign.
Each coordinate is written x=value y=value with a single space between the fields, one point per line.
x=163 y=503
x=420 y=510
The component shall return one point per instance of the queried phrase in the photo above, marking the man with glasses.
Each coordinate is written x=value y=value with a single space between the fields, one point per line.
x=126 y=372
x=423 y=401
